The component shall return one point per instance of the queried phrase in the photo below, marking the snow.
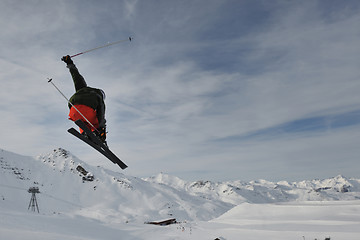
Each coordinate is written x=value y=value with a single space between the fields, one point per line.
x=90 y=202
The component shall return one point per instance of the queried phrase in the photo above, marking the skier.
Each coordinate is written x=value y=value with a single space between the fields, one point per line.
x=88 y=101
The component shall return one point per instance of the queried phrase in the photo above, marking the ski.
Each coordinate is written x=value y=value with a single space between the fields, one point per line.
x=92 y=140
x=86 y=140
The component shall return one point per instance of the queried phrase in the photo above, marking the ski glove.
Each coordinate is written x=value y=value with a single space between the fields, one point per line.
x=67 y=59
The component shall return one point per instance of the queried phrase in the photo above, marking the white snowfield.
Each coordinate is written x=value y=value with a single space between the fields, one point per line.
x=78 y=201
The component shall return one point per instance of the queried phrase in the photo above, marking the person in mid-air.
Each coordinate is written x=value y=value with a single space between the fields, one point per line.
x=89 y=101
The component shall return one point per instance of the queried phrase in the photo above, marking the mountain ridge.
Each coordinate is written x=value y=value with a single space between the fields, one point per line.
x=68 y=185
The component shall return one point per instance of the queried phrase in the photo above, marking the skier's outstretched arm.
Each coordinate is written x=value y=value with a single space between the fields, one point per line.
x=79 y=81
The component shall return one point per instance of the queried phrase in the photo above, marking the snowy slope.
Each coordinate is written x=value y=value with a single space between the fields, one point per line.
x=90 y=202
x=110 y=196
x=311 y=219
x=64 y=187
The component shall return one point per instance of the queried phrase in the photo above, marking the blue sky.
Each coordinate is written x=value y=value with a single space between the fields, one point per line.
x=216 y=90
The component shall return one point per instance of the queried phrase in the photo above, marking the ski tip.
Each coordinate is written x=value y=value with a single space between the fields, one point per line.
x=120 y=164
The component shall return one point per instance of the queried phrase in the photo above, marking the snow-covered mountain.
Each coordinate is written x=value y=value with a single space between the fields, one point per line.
x=79 y=201
x=262 y=191
x=68 y=184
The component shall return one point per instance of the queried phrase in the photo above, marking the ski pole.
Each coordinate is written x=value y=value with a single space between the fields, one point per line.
x=50 y=81
x=103 y=46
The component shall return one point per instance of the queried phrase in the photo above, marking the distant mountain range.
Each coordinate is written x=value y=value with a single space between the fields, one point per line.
x=69 y=185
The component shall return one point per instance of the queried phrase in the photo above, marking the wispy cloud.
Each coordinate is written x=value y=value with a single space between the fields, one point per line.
x=300 y=128
x=207 y=89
